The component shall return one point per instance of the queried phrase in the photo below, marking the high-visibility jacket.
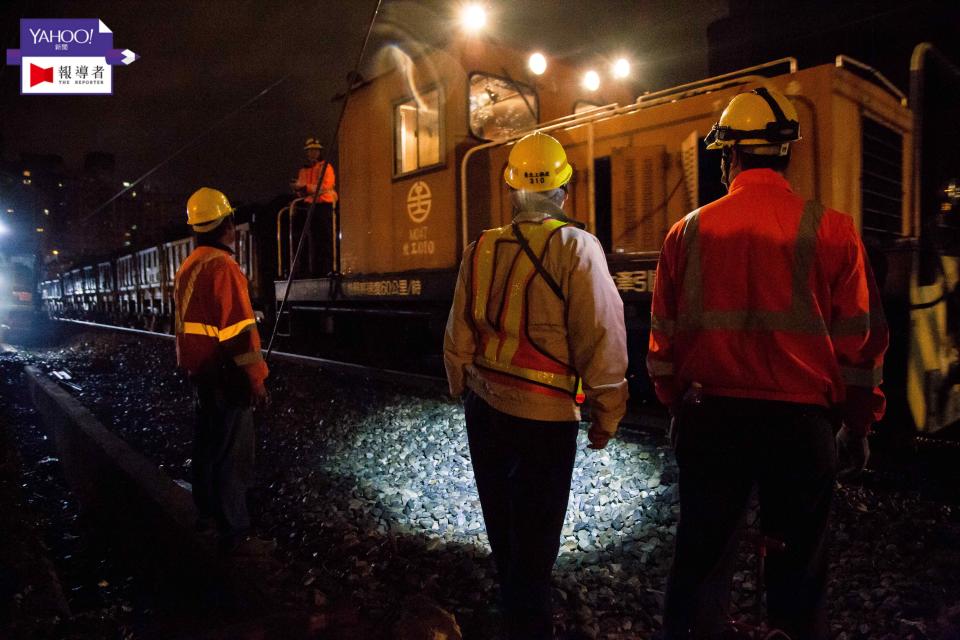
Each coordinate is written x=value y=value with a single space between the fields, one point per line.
x=307 y=181
x=214 y=318
x=761 y=294
x=526 y=350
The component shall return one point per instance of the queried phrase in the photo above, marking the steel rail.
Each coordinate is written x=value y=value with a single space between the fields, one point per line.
x=406 y=378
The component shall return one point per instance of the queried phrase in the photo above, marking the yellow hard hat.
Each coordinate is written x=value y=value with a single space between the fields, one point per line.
x=762 y=119
x=312 y=143
x=207 y=208
x=537 y=163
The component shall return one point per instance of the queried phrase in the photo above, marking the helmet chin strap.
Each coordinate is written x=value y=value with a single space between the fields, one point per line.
x=727 y=159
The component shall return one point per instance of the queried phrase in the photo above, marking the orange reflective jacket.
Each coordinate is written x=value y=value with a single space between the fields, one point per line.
x=214 y=318
x=307 y=180
x=762 y=295
x=505 y=350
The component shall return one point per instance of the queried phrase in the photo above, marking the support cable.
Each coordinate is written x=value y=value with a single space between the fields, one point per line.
x=351 y=80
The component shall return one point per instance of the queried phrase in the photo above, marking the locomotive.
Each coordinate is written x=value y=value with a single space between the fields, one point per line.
x=421 y=154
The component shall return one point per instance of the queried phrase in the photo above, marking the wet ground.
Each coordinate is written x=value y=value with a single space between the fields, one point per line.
x=369 y=492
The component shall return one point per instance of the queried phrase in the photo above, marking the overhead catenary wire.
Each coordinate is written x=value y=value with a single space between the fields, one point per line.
x=351 y=79
x=188 y=145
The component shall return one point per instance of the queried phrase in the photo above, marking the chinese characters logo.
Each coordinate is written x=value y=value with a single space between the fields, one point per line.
x=67 y=56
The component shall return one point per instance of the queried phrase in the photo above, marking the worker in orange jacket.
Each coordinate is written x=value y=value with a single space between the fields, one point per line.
x=218 y=347
x=536 y=328
x=766 y=324
x=322 y=225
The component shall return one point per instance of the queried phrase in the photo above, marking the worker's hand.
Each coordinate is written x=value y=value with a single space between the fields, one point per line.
x=259 y=397
x=598 y=437
x=853 y=452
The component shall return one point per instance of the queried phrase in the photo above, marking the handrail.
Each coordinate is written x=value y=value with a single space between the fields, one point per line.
x=289 y=208
x=843 y=61
x=681 y=88
x=567 y=121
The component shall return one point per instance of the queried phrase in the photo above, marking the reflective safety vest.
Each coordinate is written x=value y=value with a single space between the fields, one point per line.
x=505 y=352
x=308 y=177
x=763 y=295
x=214 y=318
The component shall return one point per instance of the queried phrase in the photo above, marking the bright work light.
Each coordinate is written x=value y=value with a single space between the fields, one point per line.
x=591 y=80
x=473 y=18
x=621 y=68
x=537 y=63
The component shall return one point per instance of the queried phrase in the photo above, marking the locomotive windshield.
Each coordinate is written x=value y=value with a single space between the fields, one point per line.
x=501 y=107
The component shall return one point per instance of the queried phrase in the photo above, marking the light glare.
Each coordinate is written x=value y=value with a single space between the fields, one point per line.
x=473 y=18
x=537 y=63
x=621 y=68
x=4 y=229
x=591 y=80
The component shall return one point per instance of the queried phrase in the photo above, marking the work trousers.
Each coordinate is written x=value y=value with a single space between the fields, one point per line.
x=725 y=448
x=223 y=459
x=317 y=260
x=523 y=470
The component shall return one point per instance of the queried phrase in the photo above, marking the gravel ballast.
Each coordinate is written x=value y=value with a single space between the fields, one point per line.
x=369 y=492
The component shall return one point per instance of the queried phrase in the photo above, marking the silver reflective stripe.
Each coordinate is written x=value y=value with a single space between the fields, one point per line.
x=855 y=377
x=663 y=325
x=856 y=326
x=800 y=318
x=659 y=367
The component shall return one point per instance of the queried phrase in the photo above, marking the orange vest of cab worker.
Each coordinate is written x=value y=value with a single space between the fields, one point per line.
x=309 y=175
x=215 y=324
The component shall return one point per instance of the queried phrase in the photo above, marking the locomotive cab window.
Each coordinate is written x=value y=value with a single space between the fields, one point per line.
x=416 y=138
x=501 y=107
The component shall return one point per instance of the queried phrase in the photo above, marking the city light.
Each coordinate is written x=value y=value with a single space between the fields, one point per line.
x=55 y=252
x=473 y=18
x=46 y=212
x=621 y=68
x=126 y=184
x=9 y=210
x=591 y=80
x=26 y=173
x=537 y=63
x=39 y=229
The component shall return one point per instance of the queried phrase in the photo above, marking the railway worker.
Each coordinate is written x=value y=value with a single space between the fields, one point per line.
x=536 y=325
x=766 y=331
x=219 y=349
x=306 y=187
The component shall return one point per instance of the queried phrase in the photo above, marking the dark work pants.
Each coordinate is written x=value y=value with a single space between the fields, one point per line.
x=725 y=448
x=223 y=452
x=523 y=470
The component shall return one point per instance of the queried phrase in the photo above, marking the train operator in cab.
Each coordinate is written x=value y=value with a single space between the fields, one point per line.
x=536 y=327
x=306 y=188
x=219 y=349
x=766 y=325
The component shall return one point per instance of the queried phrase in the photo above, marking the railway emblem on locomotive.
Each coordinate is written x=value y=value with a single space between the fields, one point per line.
x=419 y=200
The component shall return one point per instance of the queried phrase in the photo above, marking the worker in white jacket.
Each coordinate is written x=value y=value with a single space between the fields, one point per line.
x=536 y=328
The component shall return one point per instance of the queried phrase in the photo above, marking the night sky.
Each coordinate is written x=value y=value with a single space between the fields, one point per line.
x=202 y=60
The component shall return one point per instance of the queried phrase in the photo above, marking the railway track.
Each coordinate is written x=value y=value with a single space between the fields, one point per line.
x=638 y=419
x=415 y=380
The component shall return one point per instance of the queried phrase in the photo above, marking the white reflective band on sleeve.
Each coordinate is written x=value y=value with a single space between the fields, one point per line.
x=659 y=368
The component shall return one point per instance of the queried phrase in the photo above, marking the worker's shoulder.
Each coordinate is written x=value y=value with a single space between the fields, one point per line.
x=576 y=238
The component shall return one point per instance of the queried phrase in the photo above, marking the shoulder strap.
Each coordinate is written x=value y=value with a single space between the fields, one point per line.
x=537 y=264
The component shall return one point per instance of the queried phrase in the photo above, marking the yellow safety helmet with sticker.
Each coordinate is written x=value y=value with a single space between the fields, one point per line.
x=537 y=163
x=312 y=143
x=762 y=121
x=207 y=208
